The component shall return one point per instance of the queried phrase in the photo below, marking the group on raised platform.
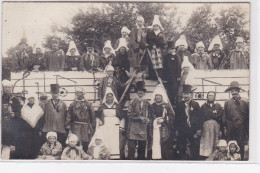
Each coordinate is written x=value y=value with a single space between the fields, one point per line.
x=149 y=129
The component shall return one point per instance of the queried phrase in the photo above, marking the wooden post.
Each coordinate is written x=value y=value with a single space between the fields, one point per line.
x=131 y=80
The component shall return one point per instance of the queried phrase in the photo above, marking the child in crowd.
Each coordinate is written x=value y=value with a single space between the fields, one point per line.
x=108 y=81
x=51 y=149
x=233 y=151
x=97 y=150
x=220 y=153
x=73 y=152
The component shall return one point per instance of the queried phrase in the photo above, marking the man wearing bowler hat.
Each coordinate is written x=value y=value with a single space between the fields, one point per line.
x=55 y=115
x=188 y=125
x=236 y=117
x=139 y=120
x=90 y=60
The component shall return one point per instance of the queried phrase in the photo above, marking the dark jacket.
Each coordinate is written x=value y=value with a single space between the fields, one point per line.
x=137 y=130
x=90 y=64
x=195 y=118
x=72 y=62
x=155 y=40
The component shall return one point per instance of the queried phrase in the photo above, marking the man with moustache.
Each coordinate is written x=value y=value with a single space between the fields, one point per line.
x=188 y=124
x=236 y=117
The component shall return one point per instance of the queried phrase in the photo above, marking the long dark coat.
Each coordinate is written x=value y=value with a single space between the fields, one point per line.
x=236 y=119
x=10 y=124
x=171 y=72
x=186 y=133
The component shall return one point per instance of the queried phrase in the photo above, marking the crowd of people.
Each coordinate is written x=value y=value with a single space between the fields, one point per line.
x=172 y=126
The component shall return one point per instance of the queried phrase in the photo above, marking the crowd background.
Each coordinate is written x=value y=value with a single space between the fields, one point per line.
x=105 y=23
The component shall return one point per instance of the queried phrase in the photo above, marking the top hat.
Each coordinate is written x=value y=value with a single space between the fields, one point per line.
x=233 y=85
x=188 y=89
x=171 y=44
x=55 y=88
x=23 y=41
x=140 y=85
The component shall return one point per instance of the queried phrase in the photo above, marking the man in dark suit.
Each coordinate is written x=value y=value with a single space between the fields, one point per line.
x=188 y=125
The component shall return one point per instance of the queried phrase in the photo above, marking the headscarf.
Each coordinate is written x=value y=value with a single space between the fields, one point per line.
x=51 y=133
x=38 y=45
x=7 y=83
x=159 y=90
x=108 y=45
x=216 y=40
x=109 y=91
x=125 y=29
x=222 y=143
x=31 y=114
x=72 y=45
x=199 y=44
x=181 y=41
x=72 y=137
x=109 y=68
x=214 y=96
x=122 y=43
x=232 y=142
x=156 y=21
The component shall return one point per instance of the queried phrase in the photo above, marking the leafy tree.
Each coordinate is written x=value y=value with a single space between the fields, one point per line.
x=232 y=24
x=201 y=26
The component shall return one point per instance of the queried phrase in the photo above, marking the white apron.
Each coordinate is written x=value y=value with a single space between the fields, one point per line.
x=110 y=131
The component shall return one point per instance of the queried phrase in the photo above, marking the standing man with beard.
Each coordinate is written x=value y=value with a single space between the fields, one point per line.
x=236 y=117
x=81 y=119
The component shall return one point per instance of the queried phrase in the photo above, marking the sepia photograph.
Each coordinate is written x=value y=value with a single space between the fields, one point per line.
x=161 y=81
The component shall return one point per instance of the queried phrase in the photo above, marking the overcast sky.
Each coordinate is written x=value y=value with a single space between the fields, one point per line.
x=35 y=19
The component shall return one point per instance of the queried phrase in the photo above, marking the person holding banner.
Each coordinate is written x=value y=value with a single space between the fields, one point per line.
x=109 y=115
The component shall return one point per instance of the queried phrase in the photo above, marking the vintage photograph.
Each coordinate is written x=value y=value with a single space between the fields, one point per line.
x=125 y=81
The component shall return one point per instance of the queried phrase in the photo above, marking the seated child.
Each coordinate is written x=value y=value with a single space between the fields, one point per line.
x=98 y=150
x=50 y=150
x=233 y=151
x=220 y=153
x=73 y=152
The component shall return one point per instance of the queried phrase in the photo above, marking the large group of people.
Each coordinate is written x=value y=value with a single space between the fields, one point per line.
x=172 y=126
